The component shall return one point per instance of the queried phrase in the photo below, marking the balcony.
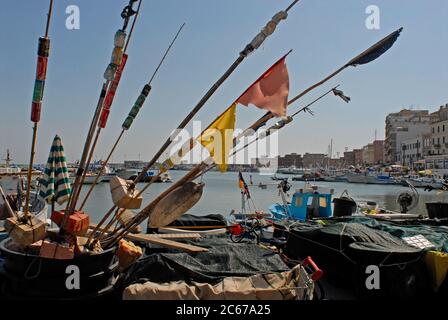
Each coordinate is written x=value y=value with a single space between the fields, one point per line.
x=437 y=146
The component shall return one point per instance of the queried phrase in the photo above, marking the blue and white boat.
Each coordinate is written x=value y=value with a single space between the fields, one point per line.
x=307 y=203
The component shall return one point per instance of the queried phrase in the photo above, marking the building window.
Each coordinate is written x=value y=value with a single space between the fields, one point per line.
x=438 y=128
x=433 y=130
x=443 y=139
x=443 y=128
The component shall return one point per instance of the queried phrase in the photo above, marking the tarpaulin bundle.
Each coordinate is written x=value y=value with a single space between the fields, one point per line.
x=435 y=231
x=224 y=259
x=289 y=285
x=345 y=249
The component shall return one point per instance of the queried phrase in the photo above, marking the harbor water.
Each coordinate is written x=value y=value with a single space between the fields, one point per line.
x=222 y=194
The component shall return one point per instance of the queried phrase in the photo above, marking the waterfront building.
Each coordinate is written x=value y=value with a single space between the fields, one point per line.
x=358 y=157
x=402 y=126
x=349 y=158
x=290 y=160
x=378 y=151
x=314 y=160
x=412 y=151
x=439 y=131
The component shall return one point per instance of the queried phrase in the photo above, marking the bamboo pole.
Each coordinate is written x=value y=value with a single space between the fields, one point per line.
x=143 y=214
x=251 y=47
x=34 y=139
x=123 y=130
x=192 y=142
x=89 y=147
x=373 y=49
x=7 y=205
x=99 y=129
x=276 y=126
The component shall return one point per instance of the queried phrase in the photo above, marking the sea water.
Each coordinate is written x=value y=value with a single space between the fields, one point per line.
x=222 y=194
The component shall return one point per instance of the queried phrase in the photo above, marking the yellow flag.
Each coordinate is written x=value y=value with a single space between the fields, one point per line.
x=218 y=138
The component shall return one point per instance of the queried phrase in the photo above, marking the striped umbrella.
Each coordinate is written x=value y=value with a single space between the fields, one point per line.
x=55 y=185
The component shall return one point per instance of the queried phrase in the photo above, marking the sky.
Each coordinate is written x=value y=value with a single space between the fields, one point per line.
x=323 y=35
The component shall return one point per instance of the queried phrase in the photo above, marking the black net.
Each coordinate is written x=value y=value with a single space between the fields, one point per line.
x=224 y=259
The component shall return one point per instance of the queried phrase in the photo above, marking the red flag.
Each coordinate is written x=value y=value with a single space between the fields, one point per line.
x=270 y=91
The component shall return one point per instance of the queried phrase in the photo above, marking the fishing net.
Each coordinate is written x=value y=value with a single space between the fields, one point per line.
x=224 y=259
x=344 y=250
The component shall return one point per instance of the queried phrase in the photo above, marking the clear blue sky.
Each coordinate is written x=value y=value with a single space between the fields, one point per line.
x=324 y=35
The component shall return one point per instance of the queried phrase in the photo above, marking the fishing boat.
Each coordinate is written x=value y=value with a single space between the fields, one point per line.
x=277 y=178
x=90 y=178
x=307 y=203
x=418 y=181
x=290 y=170
x=38 y=207
x=369 y=177
x=11 y=173
x=149 y=176
x=128 y=173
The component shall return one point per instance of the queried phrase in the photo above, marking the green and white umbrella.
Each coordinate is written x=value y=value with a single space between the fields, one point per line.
x=55 y=185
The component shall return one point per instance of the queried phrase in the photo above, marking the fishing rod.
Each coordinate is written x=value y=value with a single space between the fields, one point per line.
x=256 y=42
x=112 y=76
x=131 y=117
x=41 y=74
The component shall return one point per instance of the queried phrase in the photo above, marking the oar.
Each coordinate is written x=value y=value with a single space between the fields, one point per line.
x=44 y=48
x=143 y=214
x=128 y=122
x=89 y=147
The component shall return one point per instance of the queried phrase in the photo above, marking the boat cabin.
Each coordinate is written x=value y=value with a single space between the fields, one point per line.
x=307 y=203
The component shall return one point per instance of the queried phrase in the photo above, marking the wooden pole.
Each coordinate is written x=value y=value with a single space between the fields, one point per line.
x=251 y=47
x=123 y=130
x=145 y=213
x=192 y=143
x=7 y=205
x=102 y=169
x=89 y=148
x=248 y=49
x=30 y=171
x=34 y=139
x=81 y=167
